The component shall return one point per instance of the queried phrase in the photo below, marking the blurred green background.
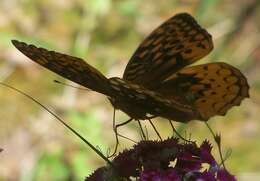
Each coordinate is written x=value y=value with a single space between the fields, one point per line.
x=105 y=33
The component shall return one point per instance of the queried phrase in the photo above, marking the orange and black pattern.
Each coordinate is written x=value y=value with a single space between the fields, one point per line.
x=212 y=88
x=156 y=81
x=178 y=42
x=72 y=68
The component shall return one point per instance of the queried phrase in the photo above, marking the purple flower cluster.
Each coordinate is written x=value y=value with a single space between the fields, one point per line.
x=168 y=160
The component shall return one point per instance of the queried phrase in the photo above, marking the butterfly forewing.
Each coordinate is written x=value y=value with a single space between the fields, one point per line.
x=72 y=68
x=212 y=88
x=178 y=42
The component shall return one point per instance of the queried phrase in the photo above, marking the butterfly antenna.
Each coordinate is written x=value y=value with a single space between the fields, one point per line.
x=61 y=121
x=217 y=138
x=76 y=87
x=158 y=134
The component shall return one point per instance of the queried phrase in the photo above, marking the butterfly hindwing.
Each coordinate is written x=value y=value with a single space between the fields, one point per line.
x=72 y=68
x=212 y=88
x=178 y=42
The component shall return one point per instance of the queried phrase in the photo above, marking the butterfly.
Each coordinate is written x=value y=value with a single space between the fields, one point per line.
x=157 y=81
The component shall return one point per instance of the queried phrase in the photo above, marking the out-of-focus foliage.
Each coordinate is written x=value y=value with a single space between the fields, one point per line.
x=105 y=33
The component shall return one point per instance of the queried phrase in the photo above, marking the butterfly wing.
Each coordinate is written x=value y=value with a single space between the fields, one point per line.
x=212 y=88
x=72 y=68
x=178 y=42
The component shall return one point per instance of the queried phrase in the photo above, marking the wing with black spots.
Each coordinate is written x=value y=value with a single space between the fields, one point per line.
x=211 y=88
x=178 y=42
x=72 y=68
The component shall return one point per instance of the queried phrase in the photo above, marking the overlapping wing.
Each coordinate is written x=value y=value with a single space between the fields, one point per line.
x=178 y=42
x=212 y=88
x=72 y=68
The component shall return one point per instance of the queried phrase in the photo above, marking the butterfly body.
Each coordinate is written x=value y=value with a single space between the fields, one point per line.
x=140 y=103
x=157 y=80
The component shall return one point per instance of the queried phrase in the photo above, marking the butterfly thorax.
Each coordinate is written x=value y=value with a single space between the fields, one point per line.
x=133 y=111
x=141 y=103
x=123 y=95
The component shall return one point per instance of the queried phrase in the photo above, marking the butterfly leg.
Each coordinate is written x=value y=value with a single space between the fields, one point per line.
x=158 y=134
x=115 y=127
x=142 y=131
x=178 y=134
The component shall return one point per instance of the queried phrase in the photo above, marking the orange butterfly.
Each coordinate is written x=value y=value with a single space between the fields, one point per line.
x=157 y=81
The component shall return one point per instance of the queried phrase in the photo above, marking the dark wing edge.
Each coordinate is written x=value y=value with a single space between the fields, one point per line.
x=72 y=68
